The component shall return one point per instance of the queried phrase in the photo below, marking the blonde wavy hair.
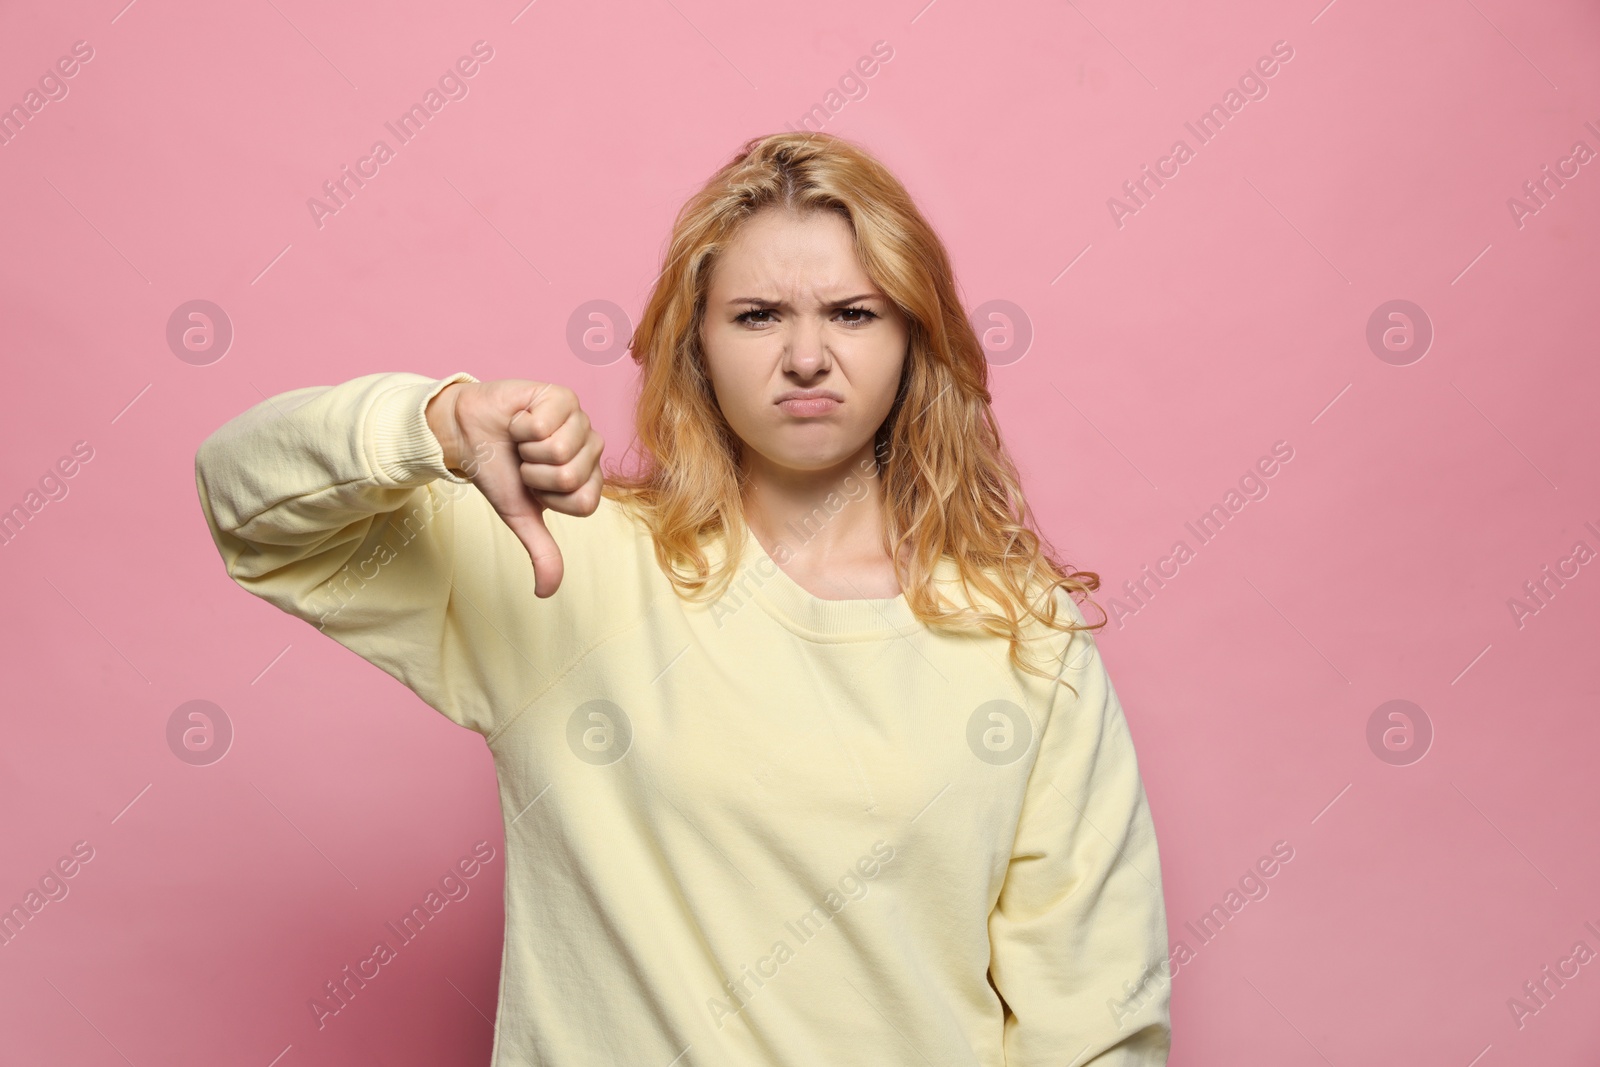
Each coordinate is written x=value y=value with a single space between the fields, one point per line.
x=949 y=487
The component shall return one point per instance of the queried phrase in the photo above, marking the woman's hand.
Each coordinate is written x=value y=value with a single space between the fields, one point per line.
x=527 y=446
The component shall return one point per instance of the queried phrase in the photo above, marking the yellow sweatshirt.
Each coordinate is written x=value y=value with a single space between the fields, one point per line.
x=769 y=830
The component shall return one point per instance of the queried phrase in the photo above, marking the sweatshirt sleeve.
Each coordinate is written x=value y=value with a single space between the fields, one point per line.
x=1078 y=936
x=333 y=503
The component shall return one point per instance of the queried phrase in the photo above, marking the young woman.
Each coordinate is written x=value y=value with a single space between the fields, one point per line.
x=805 y=751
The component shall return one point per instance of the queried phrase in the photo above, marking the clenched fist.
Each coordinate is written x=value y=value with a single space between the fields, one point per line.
x=527 y=446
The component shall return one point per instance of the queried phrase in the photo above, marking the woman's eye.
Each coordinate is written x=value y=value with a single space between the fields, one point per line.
x=863 y=315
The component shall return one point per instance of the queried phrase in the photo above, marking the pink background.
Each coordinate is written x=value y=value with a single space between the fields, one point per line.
x=1227 y=314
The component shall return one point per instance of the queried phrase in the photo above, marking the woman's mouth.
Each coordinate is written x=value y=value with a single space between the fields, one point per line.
x=809 y=406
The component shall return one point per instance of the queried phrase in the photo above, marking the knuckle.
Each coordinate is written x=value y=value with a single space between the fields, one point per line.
x=571 y=479
x=538 y=424
x=563 y=452
x=589 y=499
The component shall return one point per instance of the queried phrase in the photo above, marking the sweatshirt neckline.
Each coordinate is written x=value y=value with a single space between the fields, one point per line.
x=811 y=616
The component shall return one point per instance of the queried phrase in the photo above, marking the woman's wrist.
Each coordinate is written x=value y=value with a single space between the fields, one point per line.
x=441 y=416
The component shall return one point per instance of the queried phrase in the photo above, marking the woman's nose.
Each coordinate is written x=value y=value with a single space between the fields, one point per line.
x=806 y=348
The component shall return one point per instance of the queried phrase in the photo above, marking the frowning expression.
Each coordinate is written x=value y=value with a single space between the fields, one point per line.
x=804 y=351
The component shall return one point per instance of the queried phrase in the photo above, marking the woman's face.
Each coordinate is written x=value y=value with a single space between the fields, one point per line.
x=778 y=319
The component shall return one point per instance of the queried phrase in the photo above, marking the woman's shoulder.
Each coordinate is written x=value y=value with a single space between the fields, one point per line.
x=997 y=598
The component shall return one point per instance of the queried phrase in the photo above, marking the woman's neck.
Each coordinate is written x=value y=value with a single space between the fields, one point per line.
x=825 y=529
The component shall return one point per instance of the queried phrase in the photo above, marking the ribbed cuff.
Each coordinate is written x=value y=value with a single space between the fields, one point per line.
x=401 y=444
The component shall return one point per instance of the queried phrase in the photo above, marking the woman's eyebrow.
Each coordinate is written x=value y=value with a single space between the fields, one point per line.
x=784 y=304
